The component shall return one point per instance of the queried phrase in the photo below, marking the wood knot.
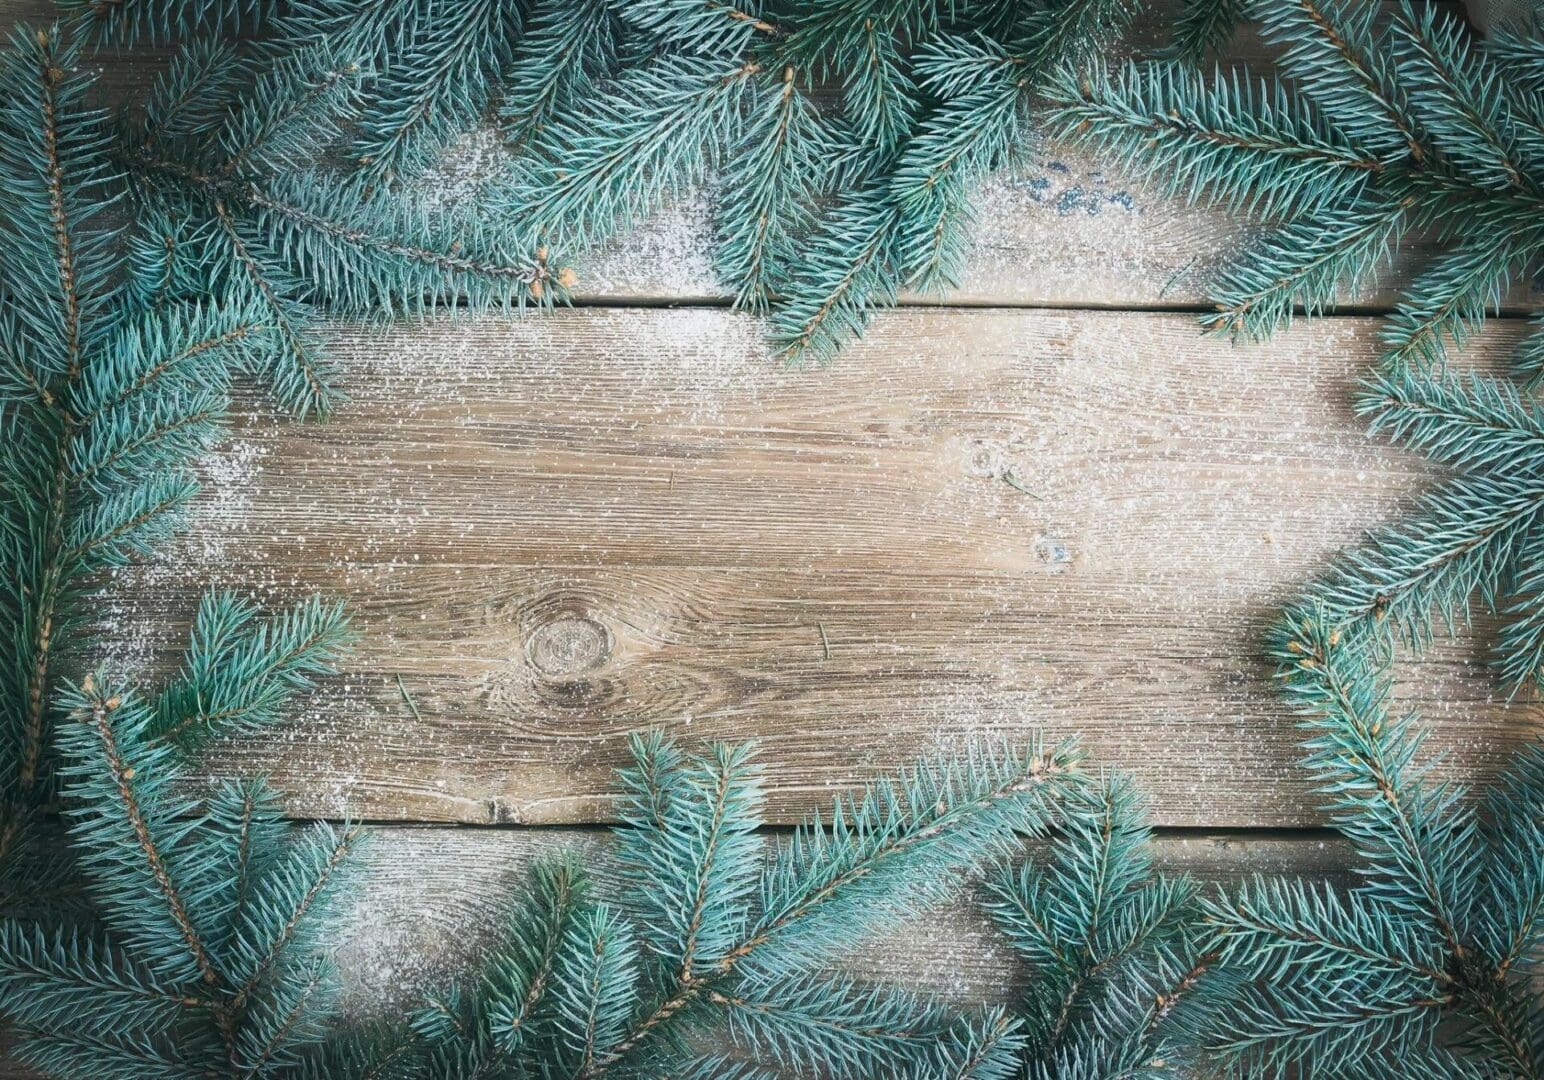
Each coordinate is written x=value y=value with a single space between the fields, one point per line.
x=568 y=646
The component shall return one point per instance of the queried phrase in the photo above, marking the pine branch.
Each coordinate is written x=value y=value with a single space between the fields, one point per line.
x=846 y=273
x=164 y=20
x=437 y=86
x=238 y=675
x=116 y=779
x=770 y=181
x=568 y=46
x=1406 y=113
x=1240 y=143
x=1204 y=27
x=1305 y=263
x=1333 y=54
x=652 y=134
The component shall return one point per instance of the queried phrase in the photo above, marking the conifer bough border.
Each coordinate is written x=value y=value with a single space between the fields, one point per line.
x=838 y=143
x=202 y=952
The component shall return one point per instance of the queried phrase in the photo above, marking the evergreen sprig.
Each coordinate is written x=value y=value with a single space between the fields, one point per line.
x=1423 y=970
x=933 y=99
x=1383 y=125
x=199 y=944
x=1117 y=956
x=716 y=936
x=223 y=159
x=203 y=957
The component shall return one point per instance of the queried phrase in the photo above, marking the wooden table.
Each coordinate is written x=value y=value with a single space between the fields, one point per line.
x=1044 y=502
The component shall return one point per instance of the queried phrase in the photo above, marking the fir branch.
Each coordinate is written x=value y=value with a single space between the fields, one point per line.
x=1305 y=263
x=1205 y=26
x=828 y=1025
x=845 y=275
x=186 y=99
x=438 y=85
x=774 y=176
x=73 y=1053
x=165 y=20
x=1412 y=573
x=299 y=376
x=1449 y=300
x=1422 y=844
x=1239 y=142
x=294 y=107
x=1458 y=97
x=704 y=26
x=1475 y=422
x=1529 y=360
x=566 y=48
x=1332 y=52
x=56 y=980
x=1519 y=650
x=655 y=132
x=569 y=993
x=521 y=975
x=285 y=903
x=1407 y=113
x=238 y=675
x=107 y=769
x=893 y=848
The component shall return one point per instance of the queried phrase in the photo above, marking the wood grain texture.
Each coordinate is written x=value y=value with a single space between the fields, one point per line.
x=1062 y=231
x=559 y=530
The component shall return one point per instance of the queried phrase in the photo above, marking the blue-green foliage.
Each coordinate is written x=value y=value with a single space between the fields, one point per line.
x=1117 y=956
x=105 y=401
x=202 y=957
x=197 y=942
x=609 y=110
x=1385 y=123
x=661 y=94
x=165 y=20
x=1204 y=27
x=718 y=935
x=222 y=159
x=433 y=65
x=1423 y=968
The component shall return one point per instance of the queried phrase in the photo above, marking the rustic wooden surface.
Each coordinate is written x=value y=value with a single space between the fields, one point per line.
x=560 y=529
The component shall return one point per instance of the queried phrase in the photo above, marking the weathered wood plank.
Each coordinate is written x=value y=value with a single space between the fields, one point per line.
x=560 y=530
x=1062 y=231
x=432 y=900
